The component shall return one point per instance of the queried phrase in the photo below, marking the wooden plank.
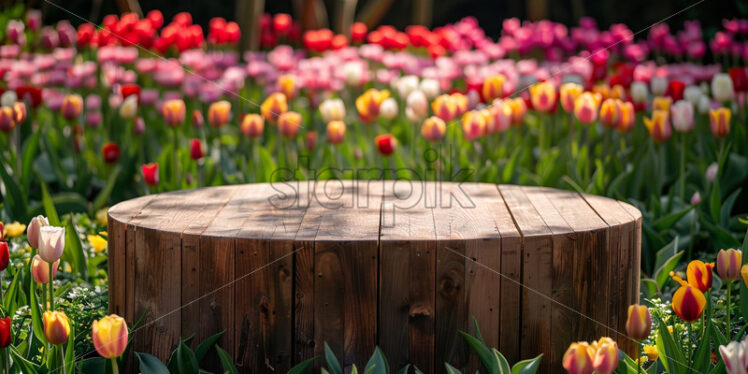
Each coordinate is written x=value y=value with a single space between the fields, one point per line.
x=346 y=258
x=264 y=286
x=406 y=277
x=537 y=270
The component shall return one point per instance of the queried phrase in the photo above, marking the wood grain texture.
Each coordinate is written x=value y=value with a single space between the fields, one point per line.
x=285 y=267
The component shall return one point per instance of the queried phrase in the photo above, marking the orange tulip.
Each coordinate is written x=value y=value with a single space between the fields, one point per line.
x=444 y=107
x=433 y=129
x=659 y=125
x=618 y=92
x=110 y=336
x=287 y=85
x=20 y=112
x=568 y=94
x=578 y=358
x=688 y=302
x=609 y=112
x=720 y=121
x=626 y=116
x=72 y=106
x=518 y=110
x=493 y=87
x=173 y=112
x=252 y=125
x=289 y=124
x=728 y=264
x=639 y=322
x=369 y=102
x=335 y=132
x=473 y=125
x=219 y=113
x=274 y=106
x=602 y=90
x=461 y=102
x=543 y=96
x=700 y=275
x=7 y=119
x=56 y=327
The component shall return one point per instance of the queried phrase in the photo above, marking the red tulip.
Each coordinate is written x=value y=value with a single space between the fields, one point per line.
x=281 y=23
x=5 y=332
x=675 y=90
x=150 y=173
x=196 y=149
x=32 y=94
x=156 y=18
x=4 y=256
x=130 y=89
x=358 y=32
x=386 y=144
x=110 y=152
x=739 y=79
x=311 y=140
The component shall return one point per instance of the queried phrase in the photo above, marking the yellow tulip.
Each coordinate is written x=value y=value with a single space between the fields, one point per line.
x=56 y=327
x=110 y=336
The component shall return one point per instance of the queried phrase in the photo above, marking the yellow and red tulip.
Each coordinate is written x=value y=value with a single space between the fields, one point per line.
x=473 y=125
x=639 y=322
x=493 y=87
x=369 y=102
x=252 y=125
x=444 y=107
x=72 y=106
x=728 y=263
x=585 y=107
x=110 y=336
x=609 y=112
x=606 y=356
x=659 y=125
x=287 y=85
x=173 y=112
x=519 y=108
x=335 y=132
x=662 y=103
x=700 y=275
x=433 y=129
x=578 y=358
x=274 y=106
x=626 y=116
x=461 y=103
x=688 y=302
x=219 y=113
x=543 y=96
x=289 y=124
x=56 y=327
x=568 y=94
x=719 y=120
x=7 y=119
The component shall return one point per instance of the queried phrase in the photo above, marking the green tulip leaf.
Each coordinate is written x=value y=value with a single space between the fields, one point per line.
x=377 y=363
x=202 y=349
x=226 y=362
x=527 y=366
x=332 y=362
x=301 y=367
x=150 y=364
x=451 y=369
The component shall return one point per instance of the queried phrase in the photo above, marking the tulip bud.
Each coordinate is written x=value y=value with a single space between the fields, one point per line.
x=4 y=256
x=722 y=87
x=578 y=358
x=56 y=327
x=32 y=233
x=406 y=85
x=196 y=149
x=129 y=107
x=444 y=107
x=711 y=172
x=386 y=144
x=700 y=275
x=568 y=94
x=519 y=108
x=662 y=103
x=173 y=112
x=639 y=322
x=585 y=107
x=110 y=336
x=287 y=85
x=332 y=110
x=473 y=125
x=150 y=173
x=639 y=92
x=389 y=109
x=433 y=129
x=138 y=126
x=719 y=120
x=197 y=119
x=626 y=116
x=659 y=126
x=40 y=269
x=696 y=198
x=418 y=103
x=72 y=107
x=609 y=112
x=493 y=87
x=693 y=94
x=110 y=152
x=606 y=357
x=19 y=111
x=311 y=140
x=289 y=124
x=682 y=113
x=93 y=119
x=252 y=125
x=728 y=264
x=6 y=336
x=274 y=106
x=744 y=274
x=370 y=102
x=219 y=113
x=543 y=96
x=335 y=132
x=51 y=243
x=7 y=119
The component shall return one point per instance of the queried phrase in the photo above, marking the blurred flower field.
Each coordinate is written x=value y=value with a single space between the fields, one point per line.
x=98 y=114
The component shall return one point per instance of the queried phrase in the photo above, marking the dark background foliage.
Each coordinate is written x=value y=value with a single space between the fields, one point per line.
x=637 y=14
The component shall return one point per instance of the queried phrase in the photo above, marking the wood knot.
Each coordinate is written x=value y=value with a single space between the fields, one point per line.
x=420 y=311
x=449 y=286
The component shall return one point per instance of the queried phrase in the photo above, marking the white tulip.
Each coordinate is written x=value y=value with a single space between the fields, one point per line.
x=659 y=85
x=735 y=357
x=418 y=103
x=32 y=232
x=353 y=73
x=332 y=110
x=430 y=88
x=51 y=243
x=693 y=94
x=639 y=92
x=722 y=89
x=682 y=114
x=704 y=104
x=412 y=116
x=406 y=84
x=388 y=109
x=129 y=107
x=8 y=98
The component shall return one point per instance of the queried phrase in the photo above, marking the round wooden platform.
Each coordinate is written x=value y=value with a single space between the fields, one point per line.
x=284 y=267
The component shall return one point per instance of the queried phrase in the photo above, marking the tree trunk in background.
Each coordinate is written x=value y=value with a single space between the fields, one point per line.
x=423 y=12
x=126 y=6
x=374 y=11
x=313 y=14
x=248 y=13
x=344 y=16
x=537 y=10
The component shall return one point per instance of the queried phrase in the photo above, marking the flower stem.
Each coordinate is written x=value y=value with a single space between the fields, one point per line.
x=683 y=167
x=638 y=357
x=688 y=345
x=51 y=287
x=115 y=368
x=175 y=159
x=62 y=358
x=728 y=309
